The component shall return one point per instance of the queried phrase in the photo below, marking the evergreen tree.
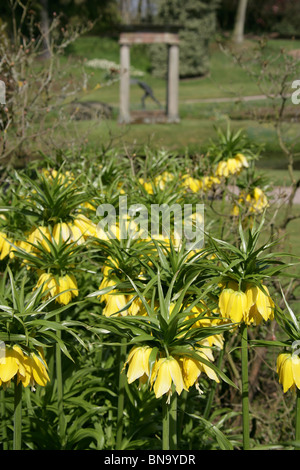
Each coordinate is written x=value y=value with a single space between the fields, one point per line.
x=197 y=22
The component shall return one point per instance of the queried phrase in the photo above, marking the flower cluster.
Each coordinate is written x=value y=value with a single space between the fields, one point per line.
x=250 y=306
x=232 y=166
x=30 y=368
x=180 y=371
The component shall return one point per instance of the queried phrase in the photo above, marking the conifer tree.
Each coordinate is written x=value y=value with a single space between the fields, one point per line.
x=197 y=22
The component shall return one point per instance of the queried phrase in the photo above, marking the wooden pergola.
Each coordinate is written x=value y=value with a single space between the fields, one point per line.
x=149 y=35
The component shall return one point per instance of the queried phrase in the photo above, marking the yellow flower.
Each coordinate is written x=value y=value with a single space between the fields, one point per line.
x=115 y=303
x=166 y=371
x=210 y=181
x=192 y=368
x=138 y=364
x=5 y=246
x=106 y=282
x=206 y=352
x=30 y=369
x=49 y=284
x=147 y=186
x=111 y=232
x=260 y=200
x=65 y=283
x=67 y=232
x=193 y=184
x=288 y=369
x=54 y=286
x=222 y=169
x=86 y=226
x=234 y=166
x=39 y=235
x=136 y=307
x=233 y=304
x=254 y=202
x=10 y=362
x=242 y=159
x=229 y=167
x=114 y=300
x=38 y=367
x=261 y=306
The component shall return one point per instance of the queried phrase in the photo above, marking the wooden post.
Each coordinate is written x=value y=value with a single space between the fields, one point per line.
x=173 y=83
x=124 y=116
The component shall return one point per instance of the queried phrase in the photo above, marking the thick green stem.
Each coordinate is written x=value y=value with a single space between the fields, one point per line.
x=181 y=414
x=297 y=427
x=3 y=421
x=121 y=396
x=169 y=423
x=173 y=422
x=165 y=425
x=245 y=388
x=17 y=440
x=60 y=389
x=212 y=391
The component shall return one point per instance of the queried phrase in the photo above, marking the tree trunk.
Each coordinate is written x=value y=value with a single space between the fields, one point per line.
x=125 y=11
x=238 y=33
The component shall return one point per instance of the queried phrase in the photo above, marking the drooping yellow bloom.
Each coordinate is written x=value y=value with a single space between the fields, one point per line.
x=288 y=369
x=232 y=166
x=106 y=282
x=233 y=304
x=40 y=235
x=10 y=361
x=67 y=288
x=86 y=226
x=147 y=186
x=210 y=181
x=136 y=307
x=194 y=184
x=261 y=306
x=111 y=232
x=206 y=352
x=67 y=232
x=47 y=280
x=167 y=371
x=255 y=202
x=242 y=159
x=64 y=287
x=115 y=303
x=192 y=367
x=260 y=200
x=191 y=370
x=30 y=369
x=138 y=364
x=5 y=246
